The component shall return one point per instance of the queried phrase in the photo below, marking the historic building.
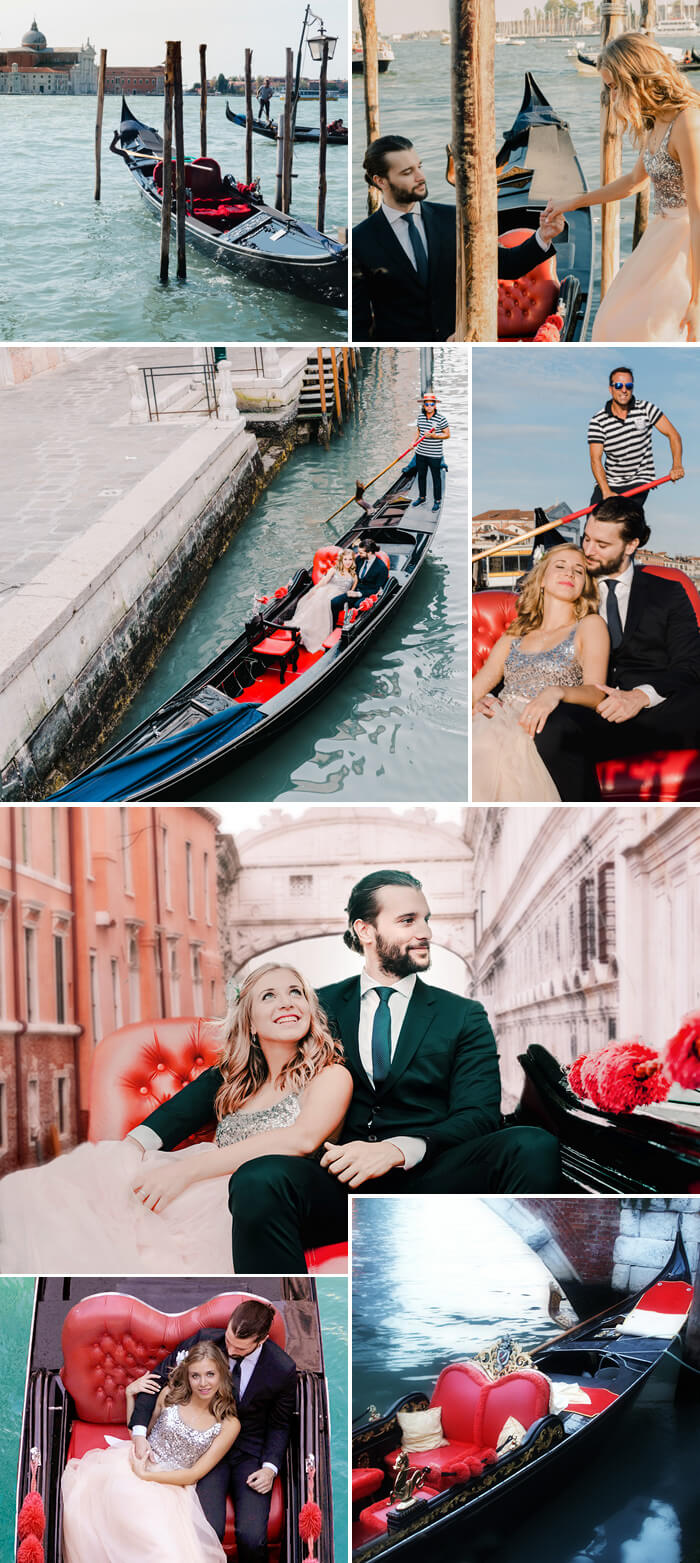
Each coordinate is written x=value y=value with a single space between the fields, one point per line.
x=587 y=922
x=107 y=915
x=148 y=80
x=38 y=68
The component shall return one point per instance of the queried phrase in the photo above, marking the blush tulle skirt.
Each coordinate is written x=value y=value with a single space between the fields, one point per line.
x=506 y=767
x=111 y=1516
x=648 y=298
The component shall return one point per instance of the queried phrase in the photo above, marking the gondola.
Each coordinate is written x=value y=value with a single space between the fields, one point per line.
x=537 y=161
x=231 y=224
x=76 y=1321
x=596 y=1369
x=653 y=1150
x=263 y=680
x=587 y=64
x=336 y=137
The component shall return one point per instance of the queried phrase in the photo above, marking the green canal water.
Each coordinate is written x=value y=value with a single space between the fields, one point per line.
x=396 y=726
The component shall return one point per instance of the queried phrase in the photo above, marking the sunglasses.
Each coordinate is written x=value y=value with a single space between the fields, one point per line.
x=622 y=385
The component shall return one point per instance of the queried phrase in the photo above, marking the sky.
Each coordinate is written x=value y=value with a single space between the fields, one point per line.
x=136 y=35
x=531 y=408
x=409 y=16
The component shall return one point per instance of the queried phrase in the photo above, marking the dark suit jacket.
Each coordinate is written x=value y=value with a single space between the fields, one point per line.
x=661 y=640
x=265 y=1410
x=373 y=580
x=388 y=302
x=443 y=1084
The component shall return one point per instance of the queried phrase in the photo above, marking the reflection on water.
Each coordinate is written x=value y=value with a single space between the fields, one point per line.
x=435 y=1280
x=377 y=733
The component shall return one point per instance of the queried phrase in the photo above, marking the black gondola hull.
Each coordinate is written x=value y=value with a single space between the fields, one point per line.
x=302 y=133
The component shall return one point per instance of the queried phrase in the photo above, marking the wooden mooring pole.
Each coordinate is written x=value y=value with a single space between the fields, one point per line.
x=612 y=17
x=279 y=184
x=323 y=139
x=647 y=23
x=336 y=387
x=98 y=122
x=347 y=388
x=202 y=100
x=288 y=118
x=249 y=116
x=368 y=28
x=167 y=206
x=180 y=196
x=322 y=396
x=472 y=28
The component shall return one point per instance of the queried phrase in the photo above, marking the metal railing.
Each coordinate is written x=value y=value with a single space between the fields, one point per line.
x=157 y=374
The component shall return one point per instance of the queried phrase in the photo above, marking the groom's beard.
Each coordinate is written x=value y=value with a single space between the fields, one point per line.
x=396 y=961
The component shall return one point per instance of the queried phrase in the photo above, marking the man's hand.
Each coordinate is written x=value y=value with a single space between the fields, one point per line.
x=621 y=704
x=551 y=225
x=677 y=471
x=487 y=706
x=536 y=711
x=261 y=1481
x=142 y=1449
x=158 y=1185
x=359 y=1162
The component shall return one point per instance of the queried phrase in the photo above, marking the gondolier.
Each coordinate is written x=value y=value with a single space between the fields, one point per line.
x=434 y=428
x=265 y=93
x=620 y=444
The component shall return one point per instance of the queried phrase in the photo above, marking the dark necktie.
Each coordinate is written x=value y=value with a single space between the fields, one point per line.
x=381 y=1037
x=235 y=1366
x=613 y=615
x=418 y=248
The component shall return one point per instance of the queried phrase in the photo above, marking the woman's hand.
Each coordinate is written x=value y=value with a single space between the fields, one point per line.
x=141 y=1467
x=158 y=1185
x=536 y=711
x=691 y=321
x=148 y=1384
x=556 y=209
x=488 y=705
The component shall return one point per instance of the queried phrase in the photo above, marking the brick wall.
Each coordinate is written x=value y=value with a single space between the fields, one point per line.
x=586 y=1229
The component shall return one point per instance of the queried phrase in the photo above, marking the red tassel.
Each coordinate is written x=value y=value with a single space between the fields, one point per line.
x=30 y=1551
x=683 y=1054
x=310 y=1522
x=32 y=1520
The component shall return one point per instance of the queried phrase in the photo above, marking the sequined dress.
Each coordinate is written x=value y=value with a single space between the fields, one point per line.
x=110 y=1515
x=651 y=292
x=77 y=1214
x=506 y=767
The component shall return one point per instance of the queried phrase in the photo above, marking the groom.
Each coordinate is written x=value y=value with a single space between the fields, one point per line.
x=263 y=1379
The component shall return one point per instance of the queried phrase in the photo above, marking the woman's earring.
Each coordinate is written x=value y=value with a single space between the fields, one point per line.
x=254 y=1038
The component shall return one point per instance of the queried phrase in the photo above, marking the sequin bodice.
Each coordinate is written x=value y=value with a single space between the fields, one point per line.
x=528 y=673
x=240 y=1125
x=176 y=1445
x=668 y=190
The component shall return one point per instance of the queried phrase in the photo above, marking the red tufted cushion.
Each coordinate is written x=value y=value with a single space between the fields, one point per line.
x=492 y=612
x=324 y=558
x=474 y=1410
x=142 y=1065
x=365 y=1480
x=525 y=303
x=374 y=1518
x=93 y=1435
x=523 y=1394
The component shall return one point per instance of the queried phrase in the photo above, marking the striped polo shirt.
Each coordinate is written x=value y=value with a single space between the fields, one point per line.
x=626 y=442
x=427 y=446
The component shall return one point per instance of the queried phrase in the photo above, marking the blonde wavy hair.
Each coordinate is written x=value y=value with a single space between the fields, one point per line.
x=531 y=600
x=179 y=1390
x=648 y=83
x=242 y=1063
x=347 y=553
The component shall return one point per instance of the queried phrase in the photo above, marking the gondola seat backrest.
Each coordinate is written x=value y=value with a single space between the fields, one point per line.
x=474 y=1408
x=324 y=559
x=525 y=303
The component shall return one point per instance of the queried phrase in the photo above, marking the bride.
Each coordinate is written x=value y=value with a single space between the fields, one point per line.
x=557 y=648
x=280 y=1089
x=314 y=616
x=117 y=1508
x=655 y=296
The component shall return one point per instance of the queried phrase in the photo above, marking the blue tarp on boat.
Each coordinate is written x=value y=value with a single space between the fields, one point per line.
x=135 y=773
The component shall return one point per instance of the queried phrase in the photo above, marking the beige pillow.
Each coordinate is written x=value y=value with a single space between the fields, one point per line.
x=512 y=1433
x=421 y=1429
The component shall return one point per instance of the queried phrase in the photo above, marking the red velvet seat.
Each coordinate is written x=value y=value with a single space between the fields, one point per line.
x=598 y=1400
x=374 y=1519
x=135 y=1069
x=661 y=776
x=324 y=560
x=525 y=303
x=108 y=1340
x=474 y=1409
x=365 y=1481
x=281 y=648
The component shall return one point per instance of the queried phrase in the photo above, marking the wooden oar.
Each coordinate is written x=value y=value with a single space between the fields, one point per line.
x=536 y=531
x=360 y=487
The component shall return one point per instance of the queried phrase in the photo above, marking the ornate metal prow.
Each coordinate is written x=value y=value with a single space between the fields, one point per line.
x=407 y=1482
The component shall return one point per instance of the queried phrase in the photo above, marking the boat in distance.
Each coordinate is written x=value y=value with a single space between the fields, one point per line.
x=536 y=160
x=231 y=224
x=337 y=133
x=264 y=680
x=567 y=1395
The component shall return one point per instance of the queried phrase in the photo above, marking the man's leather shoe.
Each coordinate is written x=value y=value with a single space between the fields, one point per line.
x=437 y=504
x=419 y=501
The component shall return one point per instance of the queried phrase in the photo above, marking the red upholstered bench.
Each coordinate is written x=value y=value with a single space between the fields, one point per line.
x=374 y=1519
x=598 y=1400
x=365 y=1481
x=525 y=303
x=108 y=1340
x=662 y=776
x=474 y=1409
x=138 y=1067
x=281 y=648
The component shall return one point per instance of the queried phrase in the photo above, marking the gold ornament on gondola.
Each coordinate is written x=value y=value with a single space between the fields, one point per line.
x=504 y=1357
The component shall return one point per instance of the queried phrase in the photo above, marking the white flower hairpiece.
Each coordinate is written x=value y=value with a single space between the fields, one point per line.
x=233 y=991
x=180 y=1357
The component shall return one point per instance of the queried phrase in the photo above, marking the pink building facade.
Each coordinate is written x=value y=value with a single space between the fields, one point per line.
x=107 y=915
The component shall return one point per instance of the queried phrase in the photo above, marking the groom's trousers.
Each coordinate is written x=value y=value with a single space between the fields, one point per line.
x=574 y=738
x=283 y=1204
x=251 y=1508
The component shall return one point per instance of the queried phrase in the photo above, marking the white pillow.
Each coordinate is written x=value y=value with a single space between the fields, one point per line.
x=421 y=1429
x=512 y=1432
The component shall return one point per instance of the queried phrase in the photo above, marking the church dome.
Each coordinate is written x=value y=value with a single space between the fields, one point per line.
x=34 y=39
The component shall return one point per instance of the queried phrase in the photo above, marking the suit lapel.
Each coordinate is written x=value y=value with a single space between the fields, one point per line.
x=347 y=1011
x=254 y=1375
x=397 y=254
x=420 y=1015
x=635 y=606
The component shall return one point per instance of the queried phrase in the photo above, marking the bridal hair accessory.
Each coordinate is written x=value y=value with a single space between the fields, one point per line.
x=233 y=991
x=180 y=1357
x=310 y=1516
x=31 y=1521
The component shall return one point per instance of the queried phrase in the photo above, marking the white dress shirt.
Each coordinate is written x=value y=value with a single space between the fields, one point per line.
x=248 y=1366
x=413 y=1148
x=623 y=588
x=401 y=229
